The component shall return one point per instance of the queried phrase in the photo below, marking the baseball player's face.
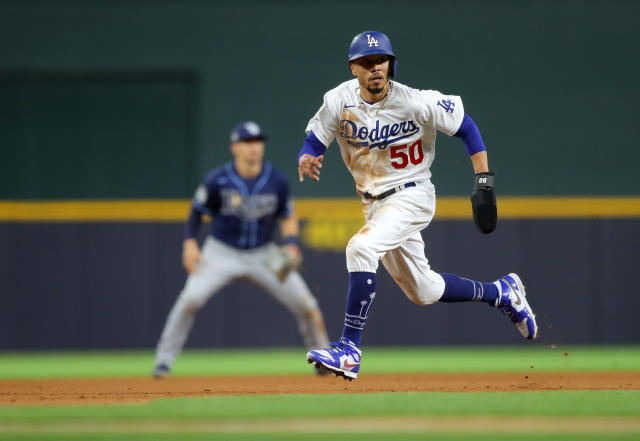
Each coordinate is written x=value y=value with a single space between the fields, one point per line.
x=372 y=72
x=250 y=151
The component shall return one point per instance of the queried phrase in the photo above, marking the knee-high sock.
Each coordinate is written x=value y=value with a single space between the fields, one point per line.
x=362 y=291
x=459 y=289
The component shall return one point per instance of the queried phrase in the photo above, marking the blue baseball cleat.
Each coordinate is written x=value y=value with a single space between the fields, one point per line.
x=342 y=358
x=512 y=301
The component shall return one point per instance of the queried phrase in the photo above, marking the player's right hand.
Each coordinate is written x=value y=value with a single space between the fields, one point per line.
x=190 y=255
x=310 y=165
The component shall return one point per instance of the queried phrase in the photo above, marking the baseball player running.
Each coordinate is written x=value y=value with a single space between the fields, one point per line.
x=246 y=198
x=386 y=132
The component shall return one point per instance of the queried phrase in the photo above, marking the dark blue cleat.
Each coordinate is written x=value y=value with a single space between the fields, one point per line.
x=161 y=371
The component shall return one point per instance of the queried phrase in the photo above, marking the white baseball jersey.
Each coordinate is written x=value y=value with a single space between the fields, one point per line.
x=390 y=142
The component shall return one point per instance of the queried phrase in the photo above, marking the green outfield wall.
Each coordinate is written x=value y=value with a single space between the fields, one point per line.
x=136 y=99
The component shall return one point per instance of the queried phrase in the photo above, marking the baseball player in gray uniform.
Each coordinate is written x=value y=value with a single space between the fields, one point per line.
x=246 y=198
x=386 y=132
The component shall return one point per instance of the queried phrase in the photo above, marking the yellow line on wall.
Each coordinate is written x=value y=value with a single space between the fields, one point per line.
x=508 y=207
x=576 y=207
x=176 y=210
x=164 y=210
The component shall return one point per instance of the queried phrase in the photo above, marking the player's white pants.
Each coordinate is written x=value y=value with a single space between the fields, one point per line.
x=221 y=264
x=391 y=233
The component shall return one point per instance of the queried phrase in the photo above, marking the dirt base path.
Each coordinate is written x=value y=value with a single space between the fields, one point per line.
x=128 y=390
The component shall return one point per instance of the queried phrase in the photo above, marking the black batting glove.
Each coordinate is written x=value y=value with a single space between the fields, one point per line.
x=483 y=203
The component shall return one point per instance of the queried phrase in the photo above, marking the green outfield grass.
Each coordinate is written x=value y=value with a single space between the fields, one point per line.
x=540 y=435
x=562 y=403
x=291 y=361
x=544 y=415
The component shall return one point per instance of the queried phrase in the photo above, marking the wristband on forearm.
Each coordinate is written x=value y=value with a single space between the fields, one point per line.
x=312 y=146
x=292 y=240
x=484 y=180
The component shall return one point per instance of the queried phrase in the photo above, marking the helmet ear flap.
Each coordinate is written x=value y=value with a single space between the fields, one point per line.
x=393 y=66
x=351 y=69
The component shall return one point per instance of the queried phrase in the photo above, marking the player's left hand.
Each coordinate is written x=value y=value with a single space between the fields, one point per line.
x=293 y=250
x=310 y=165
x=483 y=203
x=284 y=260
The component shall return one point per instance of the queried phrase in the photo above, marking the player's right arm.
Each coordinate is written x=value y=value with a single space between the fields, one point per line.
x=321 y=131
x=190 y=248
x=310 y=158
x=190 y=254
x=205 y=200
x=310 y=165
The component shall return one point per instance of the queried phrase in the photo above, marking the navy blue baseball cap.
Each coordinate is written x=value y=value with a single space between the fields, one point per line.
x=247 y=130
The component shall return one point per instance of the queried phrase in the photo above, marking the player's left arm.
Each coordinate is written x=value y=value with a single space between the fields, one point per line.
x=290 y=232
x=286 y=215
x=480 y=162
x=446 y=113
x=286 y=258
x=483 y=200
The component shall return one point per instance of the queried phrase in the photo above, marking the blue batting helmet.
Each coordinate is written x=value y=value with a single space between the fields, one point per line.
x=372 y=43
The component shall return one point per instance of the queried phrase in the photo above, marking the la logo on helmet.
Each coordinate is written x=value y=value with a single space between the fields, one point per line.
x=372 y=41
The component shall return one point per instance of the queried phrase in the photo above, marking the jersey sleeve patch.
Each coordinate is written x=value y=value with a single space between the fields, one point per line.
x=442 y=112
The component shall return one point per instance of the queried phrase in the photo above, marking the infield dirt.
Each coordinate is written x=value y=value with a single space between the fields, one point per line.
x=128 y=390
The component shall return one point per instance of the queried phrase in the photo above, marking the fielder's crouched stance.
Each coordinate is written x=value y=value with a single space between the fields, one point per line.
x=386 y=132
x=246 y=198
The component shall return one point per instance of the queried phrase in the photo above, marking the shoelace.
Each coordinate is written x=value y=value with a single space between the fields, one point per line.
x=337 y=346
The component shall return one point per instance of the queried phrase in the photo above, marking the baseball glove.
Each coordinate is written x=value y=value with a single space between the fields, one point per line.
x=483 y=203
x=283 y=260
